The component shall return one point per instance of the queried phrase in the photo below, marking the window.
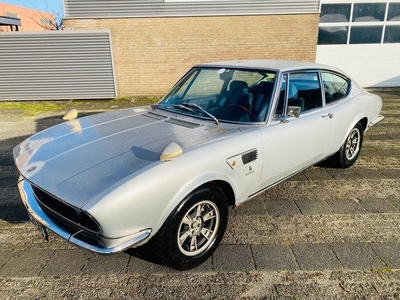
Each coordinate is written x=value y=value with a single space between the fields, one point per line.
x=359 y=23
x=394 y=12
x=12 y=15
x=228 y=94
x=392 y=34
x=335 y=86
x=205 y=82
x=368 y=12
x=304 y=90
x=331 y=13
x=301 y=89
x=335 y=34
x=45 y=21
x=332 y=35
x=279 y=112
x=366 y=35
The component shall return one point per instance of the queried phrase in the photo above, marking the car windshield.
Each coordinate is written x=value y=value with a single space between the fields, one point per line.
x=222 y=94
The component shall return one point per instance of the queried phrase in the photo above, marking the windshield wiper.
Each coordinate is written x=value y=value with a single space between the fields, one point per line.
x=203 y=110
x=183 y=107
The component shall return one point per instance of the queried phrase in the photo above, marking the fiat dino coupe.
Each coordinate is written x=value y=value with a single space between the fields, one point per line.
x=166 y=174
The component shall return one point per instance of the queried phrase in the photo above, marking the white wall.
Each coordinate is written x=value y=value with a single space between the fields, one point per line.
x=371 y=65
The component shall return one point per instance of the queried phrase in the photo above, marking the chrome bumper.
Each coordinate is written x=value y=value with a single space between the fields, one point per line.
x=35 y=212
x=375 y=121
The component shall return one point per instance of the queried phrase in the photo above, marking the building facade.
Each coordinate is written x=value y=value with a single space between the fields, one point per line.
x=31 y=20
x=155 y=42
x=362 y=37
x=117 y=48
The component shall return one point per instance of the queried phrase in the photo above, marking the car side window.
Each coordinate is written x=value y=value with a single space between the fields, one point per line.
x=304 y=90
x=280 y=109
x=336 y=87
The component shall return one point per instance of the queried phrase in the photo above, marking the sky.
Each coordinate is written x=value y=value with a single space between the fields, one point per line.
x=51 y=6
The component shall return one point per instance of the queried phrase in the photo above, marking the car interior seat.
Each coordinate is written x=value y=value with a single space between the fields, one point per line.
x=238 y=91
x=293 y=97
x=262 y=100
x=238 y=97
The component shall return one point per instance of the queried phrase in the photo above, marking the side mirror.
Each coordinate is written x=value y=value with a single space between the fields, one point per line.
x=294 y=111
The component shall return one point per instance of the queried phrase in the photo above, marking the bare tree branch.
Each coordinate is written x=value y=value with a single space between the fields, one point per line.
x=42 y=18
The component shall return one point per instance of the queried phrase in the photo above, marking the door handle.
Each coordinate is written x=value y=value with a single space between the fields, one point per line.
x=327 y=116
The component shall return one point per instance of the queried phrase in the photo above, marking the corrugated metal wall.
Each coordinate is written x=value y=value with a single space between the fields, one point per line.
x=56 y=65
x=158 y=8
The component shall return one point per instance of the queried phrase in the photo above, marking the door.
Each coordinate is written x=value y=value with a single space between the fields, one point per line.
x=294 y=143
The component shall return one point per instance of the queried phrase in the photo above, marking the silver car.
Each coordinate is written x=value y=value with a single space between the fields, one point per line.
x=166 y=174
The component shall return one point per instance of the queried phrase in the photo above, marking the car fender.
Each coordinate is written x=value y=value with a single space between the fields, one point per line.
x=349 y=126
x=138 y=208
x=189 y=187
x=347 y=114
x=147 y=197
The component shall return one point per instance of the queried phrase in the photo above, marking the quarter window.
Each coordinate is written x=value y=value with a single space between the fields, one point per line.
x=280 y=109
x=335 y=87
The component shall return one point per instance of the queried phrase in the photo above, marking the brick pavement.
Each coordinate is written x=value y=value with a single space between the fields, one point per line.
x=325 y=233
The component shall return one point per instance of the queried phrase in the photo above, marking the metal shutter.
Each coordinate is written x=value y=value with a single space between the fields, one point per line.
x=56 y=65
x=158 y=8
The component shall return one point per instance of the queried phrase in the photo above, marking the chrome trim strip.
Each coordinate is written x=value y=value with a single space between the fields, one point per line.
x=37 y=213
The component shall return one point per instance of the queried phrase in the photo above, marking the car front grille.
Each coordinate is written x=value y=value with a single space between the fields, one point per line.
x=70 y=218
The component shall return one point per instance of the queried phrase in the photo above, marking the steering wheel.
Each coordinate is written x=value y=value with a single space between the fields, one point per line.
x=244 y=108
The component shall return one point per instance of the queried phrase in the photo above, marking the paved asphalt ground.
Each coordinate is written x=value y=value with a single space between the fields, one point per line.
x=324 y=234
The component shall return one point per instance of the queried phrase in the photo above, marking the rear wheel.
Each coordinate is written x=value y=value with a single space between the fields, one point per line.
x=194 y=229
x=348 y=153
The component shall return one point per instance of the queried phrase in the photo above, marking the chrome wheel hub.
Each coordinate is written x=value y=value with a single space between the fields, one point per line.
x=198 y=228
x=353 y=144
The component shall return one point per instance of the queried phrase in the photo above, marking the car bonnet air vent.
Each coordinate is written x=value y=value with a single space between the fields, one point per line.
x=183 y=123
x=154 y=116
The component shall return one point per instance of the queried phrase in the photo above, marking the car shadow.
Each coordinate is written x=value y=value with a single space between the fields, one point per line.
x=328 y=163
x=145 y=253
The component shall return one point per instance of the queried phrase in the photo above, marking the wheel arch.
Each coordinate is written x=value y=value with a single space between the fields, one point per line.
x=228 y=191
x=362 y=119
x=364 y=123
x=186 y=223
x=219 y=179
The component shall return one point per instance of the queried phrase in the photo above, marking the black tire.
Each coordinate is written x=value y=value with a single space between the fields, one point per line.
x=200 y=222
x=348 y=153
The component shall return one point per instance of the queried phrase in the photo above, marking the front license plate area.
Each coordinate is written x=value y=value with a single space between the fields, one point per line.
x=40 y=227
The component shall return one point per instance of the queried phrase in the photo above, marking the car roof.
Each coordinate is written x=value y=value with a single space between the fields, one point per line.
x=269 y=64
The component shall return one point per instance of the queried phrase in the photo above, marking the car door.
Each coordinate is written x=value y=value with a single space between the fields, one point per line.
x=290 y=143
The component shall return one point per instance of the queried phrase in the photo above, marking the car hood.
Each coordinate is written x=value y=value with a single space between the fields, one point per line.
x=76 y=160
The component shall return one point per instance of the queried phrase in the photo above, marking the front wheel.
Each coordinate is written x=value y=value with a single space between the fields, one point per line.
x=194 y=229
x=348 y=153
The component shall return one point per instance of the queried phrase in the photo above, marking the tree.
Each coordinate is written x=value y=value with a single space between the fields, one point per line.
x=50 y=18
x=55 y=23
